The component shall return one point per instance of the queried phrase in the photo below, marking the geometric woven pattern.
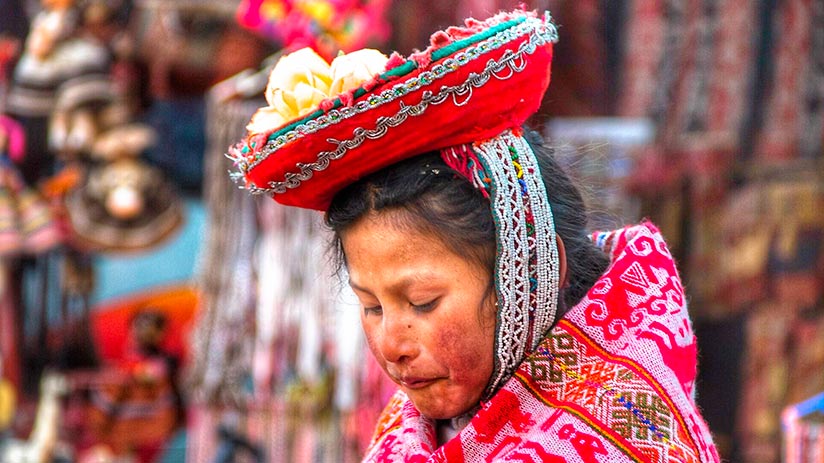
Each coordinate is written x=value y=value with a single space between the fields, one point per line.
x=591 y=392
x=612 y=395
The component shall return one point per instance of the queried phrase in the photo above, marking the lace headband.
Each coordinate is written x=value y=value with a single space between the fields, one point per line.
x=527 y=268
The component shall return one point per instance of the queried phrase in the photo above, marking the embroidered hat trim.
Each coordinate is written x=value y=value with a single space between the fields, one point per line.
x=539 y=31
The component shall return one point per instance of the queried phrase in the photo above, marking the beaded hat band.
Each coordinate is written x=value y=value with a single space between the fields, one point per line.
x=471 y=84
x=527 y=262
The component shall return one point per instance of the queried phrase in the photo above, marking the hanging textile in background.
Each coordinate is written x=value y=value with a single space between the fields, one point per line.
x=653 y=40
x=278 y=355
x=223 y=335
x=688 y=67
x=764 y=381
x=785 y=107
x=308 y=343
x=580 y=84
x=654 y=36
x=769 y=243
x=702 y=125
x=643 y=45
x=741 y=251
x=255 y=322
x=736 y=91
x=783 y=365
x=293 y=308
x=712 y=95
x=683 y=68
x=784 y=351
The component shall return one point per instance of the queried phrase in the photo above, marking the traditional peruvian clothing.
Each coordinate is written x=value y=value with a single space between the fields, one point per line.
x=612 y=381
x=612 y=378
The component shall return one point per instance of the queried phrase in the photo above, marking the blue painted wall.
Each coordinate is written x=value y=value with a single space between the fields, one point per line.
x=172 y=262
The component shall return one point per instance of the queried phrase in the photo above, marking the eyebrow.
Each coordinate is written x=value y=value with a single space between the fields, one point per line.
x=399 y=285
x=357 y=287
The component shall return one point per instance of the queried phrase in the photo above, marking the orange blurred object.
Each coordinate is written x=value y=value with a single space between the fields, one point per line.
x=110 y=321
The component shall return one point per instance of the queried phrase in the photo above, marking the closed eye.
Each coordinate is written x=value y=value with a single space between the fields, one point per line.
x=373 y=310
x=427 y=307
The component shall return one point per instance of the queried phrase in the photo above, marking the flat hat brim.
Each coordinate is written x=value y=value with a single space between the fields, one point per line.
x=472 y=89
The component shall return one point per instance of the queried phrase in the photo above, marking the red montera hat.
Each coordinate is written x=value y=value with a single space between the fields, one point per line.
x=471 y=84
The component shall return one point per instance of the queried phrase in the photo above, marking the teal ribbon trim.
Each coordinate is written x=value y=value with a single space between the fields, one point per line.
x=407 y=68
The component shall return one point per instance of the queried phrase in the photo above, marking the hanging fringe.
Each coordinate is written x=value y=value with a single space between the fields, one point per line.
x=464 y=160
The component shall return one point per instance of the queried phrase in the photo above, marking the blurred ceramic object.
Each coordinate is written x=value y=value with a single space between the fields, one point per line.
x=43 y=439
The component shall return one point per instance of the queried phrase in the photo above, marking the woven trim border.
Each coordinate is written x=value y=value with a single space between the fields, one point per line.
x=540 y=31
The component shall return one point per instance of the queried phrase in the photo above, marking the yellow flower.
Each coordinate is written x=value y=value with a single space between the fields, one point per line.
x=300 y=81
x=304 y=66
x=297 y=84
x=351 y=70
x=264 y=119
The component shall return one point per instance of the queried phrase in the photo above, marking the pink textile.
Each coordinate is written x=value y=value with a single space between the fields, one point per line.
x=612 y=381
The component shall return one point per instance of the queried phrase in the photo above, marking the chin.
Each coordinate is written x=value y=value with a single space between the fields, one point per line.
x=438 y=411
x=442 y=415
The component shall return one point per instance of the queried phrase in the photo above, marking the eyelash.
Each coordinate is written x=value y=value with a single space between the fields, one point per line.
x=425 y=307
x=377 y=310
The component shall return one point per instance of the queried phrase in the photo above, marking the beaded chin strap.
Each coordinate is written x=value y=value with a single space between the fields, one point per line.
x=505 y=169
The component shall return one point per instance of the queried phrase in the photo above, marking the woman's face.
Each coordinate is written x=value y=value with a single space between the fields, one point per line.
x=427 y=313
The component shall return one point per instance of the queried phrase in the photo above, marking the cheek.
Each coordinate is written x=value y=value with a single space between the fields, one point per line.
x=468 y=353
x=372 y=340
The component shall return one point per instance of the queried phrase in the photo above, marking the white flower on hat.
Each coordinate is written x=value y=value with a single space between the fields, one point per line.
x=300 y=81
x=351 y=70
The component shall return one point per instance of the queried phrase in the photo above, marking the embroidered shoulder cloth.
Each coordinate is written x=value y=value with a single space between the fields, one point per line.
x=612 y=382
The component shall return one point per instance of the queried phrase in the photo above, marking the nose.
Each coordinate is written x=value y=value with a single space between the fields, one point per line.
x=397 y=342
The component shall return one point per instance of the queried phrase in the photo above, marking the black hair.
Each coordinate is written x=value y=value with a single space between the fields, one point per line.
x=434 y=198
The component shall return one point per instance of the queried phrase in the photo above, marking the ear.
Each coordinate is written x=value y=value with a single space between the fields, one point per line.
x=562 y=267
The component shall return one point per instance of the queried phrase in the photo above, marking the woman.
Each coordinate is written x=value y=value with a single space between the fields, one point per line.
x=512 y=334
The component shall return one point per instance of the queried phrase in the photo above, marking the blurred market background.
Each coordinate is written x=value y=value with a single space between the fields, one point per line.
x=148 y=310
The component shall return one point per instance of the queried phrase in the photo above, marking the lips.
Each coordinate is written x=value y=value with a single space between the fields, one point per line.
x=410 y=382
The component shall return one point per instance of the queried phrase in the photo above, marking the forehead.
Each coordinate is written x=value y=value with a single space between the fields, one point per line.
x=384 y=246
x=392 y=232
